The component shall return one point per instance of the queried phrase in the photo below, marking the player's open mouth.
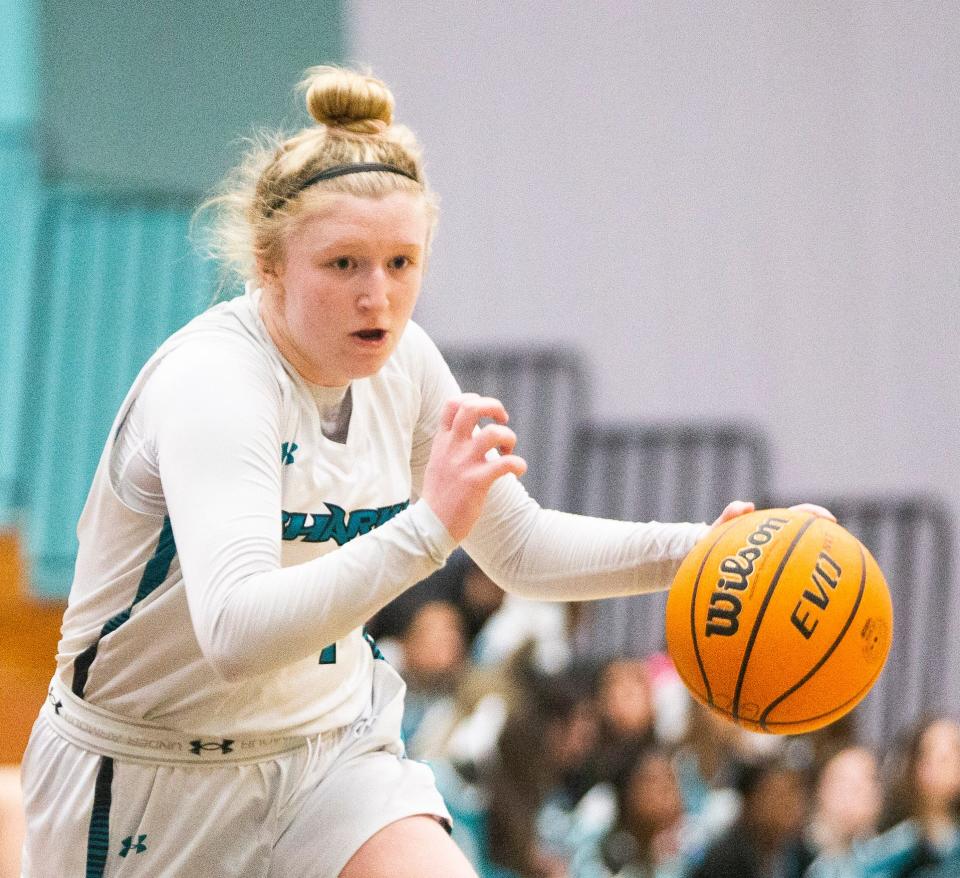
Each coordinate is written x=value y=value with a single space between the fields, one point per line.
x=371 y=335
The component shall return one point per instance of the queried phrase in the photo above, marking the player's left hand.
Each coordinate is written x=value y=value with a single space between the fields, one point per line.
x=813 y=509
x=735 y=510
x=743 y=507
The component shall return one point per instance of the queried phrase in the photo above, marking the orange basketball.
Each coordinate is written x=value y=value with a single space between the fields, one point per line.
x=779 y=621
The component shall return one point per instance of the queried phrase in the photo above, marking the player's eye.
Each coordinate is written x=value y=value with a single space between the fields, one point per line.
x=342 y=263
x=400 y=262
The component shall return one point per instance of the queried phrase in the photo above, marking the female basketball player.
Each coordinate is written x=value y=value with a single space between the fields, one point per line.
x=283 y=467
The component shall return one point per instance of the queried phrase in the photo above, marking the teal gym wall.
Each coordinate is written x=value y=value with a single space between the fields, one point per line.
x=114 y=120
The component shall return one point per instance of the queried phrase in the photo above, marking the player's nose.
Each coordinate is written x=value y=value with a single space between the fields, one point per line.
x=375 y=292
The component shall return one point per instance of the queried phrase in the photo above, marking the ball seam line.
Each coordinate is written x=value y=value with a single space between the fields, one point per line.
x=836 y=712
x=823 y=659
x=735 y=709
x=693 y=610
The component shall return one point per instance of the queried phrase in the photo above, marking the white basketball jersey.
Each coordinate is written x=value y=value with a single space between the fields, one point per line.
x=129 y=643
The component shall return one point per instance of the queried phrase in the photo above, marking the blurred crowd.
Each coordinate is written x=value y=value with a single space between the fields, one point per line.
x=557 y=767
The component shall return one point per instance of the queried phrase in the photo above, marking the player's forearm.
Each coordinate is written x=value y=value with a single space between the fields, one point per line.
x=252 y=617
x=549 y=555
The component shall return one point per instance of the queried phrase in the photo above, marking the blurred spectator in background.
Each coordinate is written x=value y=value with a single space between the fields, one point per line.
x=461 y=748
x=671 y=700
x=644 y=842
x=537 y=819
x=823 y=744
x=432 y=658
x=848 y=803
x=626 y=715
x=922 y=816
x=767 y=839
x=707 y=769
x=520 y=621
x=460 y=582
x=496 y=625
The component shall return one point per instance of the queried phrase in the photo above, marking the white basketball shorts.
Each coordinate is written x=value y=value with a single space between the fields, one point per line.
x=301 y=813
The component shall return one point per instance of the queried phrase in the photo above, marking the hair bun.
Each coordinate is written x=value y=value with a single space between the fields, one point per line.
x=349 y=100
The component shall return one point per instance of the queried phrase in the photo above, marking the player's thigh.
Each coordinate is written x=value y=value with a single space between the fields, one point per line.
x=414 y=847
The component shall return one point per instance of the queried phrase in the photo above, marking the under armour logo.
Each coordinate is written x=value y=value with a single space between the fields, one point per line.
x=224 y=746
x=56 y=702
x=286 y=452
x=137 y=847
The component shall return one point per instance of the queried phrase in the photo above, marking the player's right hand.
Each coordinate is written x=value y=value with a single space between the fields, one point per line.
x=461 y=468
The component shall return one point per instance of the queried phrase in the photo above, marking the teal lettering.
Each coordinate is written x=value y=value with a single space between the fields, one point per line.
x=336 y=529
x=362 y=521
x=338 y=524
x=295 y=526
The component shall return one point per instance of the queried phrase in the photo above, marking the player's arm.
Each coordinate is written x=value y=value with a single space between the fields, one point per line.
x=527 y=550
x=550 y=555
x=214 y=415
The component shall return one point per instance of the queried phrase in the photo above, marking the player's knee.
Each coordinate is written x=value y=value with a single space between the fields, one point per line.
x=414 y=847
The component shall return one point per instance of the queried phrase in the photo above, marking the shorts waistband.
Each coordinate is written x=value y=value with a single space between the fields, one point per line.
x=107 y=734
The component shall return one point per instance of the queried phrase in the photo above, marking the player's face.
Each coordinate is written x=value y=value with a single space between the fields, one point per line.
x=338 y=304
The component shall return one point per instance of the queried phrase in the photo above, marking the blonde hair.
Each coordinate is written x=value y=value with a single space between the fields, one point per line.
x=262 y=198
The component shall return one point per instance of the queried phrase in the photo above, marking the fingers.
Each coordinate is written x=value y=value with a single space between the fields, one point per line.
x=463 y=464
x=813 y=509
x=461 y=416
x=470 y=408
x=742 y=507
x=494 y=436
x=508 y=463
x=739 y=507
x=734 y=510
x=449 y=412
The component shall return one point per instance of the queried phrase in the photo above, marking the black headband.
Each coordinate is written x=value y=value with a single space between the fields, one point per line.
x=340 y=171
